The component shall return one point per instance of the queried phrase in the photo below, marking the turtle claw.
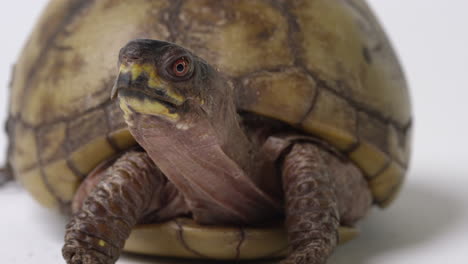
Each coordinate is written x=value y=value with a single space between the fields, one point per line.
x=74 y=255
x=84 y=259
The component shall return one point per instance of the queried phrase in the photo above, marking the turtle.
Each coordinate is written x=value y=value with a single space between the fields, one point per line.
x=229 y=130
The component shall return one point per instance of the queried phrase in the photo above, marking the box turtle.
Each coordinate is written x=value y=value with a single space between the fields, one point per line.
x=235 y=130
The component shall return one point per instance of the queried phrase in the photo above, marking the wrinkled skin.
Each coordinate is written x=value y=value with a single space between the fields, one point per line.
x=201 y=160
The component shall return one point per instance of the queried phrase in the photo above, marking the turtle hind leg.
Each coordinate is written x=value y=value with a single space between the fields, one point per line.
x=6 y=175
x=314 y=184
x=127 y=192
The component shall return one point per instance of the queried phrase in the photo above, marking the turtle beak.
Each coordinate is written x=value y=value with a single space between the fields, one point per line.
x=139 y=88
x=142 y=81
x=123 y=81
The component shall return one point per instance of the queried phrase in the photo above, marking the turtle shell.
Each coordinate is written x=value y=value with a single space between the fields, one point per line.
x=323 y=66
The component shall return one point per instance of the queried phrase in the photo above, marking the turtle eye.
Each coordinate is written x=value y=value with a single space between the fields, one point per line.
x=181 y=67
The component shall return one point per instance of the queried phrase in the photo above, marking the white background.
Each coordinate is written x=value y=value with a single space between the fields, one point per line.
x=427 y=224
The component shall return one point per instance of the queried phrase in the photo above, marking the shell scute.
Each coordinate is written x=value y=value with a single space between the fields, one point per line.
x=279 y=94
x=242 y=39
x=333 y=119
x=62 y=181
x=51 y=141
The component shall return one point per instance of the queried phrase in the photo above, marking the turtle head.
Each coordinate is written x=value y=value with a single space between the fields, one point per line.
x=163 y=79
x=176 y=105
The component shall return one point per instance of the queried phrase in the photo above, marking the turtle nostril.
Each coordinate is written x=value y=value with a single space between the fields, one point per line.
x=130 y=59
x=140 y=50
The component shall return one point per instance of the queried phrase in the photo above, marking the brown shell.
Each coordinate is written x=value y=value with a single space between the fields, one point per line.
x=324 y=66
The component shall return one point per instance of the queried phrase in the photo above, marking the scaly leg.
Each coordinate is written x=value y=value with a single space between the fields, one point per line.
x=126 y=194
x=321 y=192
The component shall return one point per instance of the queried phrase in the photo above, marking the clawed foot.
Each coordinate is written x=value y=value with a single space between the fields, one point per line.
x=74 y=255
x=305 y=256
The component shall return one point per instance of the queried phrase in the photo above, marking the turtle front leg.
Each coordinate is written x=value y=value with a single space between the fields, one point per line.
x=320 y=193
x=124 y=194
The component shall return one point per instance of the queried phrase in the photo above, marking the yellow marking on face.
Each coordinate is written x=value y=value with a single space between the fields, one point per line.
x=127 y=111
x=135 y=69
x=102 y=243
x=146 y=107
x=154 y=81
